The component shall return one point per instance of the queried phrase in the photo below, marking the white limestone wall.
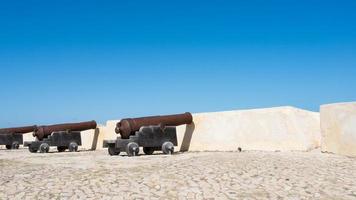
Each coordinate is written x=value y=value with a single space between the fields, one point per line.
x=108 y=132
x=89 y=138
x=271 y=129
x=28 y=137
x=338 y=128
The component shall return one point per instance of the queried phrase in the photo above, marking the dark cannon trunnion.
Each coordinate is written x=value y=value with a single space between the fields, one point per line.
x=11 y=141
x=63 y=140
x=151 y=138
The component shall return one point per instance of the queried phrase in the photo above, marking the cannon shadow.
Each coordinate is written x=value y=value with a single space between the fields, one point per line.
x=95 y=139
x=189 y=129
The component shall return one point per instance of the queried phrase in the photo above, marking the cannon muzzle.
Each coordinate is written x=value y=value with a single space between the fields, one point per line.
x=43 y=131
x=18 y=130
x=129 y=126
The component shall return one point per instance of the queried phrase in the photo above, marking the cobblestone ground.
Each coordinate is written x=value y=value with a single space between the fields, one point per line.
x=208 y=175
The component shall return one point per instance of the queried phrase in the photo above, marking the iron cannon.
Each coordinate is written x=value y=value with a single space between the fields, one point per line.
x=44 y=131
x=12 y=137
x=129 y=126
x=155 y=133
x=63 y=136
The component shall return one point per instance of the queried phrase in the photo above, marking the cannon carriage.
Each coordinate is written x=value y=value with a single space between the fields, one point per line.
x=156 y=133
x=12 y=138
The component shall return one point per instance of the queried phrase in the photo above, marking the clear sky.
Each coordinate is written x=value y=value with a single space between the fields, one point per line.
x=63 y=61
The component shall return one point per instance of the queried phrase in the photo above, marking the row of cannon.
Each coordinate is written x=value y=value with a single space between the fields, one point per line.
x=152 y=133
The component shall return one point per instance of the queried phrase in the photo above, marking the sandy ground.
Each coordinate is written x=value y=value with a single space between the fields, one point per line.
x=206 y=175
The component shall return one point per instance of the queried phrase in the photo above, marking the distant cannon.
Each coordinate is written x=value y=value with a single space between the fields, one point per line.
x=19 y=130
x=44 y=131
x=12 y=138
x=152 y=133
x=63 y=136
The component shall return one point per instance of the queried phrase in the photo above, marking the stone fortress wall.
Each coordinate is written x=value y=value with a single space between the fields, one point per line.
x=269 y=129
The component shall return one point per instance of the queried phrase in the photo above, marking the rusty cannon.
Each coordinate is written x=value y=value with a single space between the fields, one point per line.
x=12 y=138
x=63 y=136
x=129 y=126
x=152 y=133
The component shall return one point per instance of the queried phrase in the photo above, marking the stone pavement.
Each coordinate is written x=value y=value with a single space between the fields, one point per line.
x=205 y=175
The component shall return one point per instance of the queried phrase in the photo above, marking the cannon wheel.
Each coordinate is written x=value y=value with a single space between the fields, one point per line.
x=32 y=149
x=61 y=148
x=112 y=151
x=15 y=145
x=132 y=149
x=168 y=148
x=148 y=150
x=44 y=148
x=8 y=146
x=73 y=147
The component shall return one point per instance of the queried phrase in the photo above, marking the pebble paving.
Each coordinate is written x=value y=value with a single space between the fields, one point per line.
x=203 y=175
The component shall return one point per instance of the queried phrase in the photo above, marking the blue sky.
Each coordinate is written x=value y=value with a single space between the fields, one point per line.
x=63 y=61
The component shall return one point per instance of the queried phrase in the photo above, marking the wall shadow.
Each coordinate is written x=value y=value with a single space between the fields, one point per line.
x=189 y=129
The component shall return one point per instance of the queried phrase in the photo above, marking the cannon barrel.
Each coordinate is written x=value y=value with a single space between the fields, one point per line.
x=18 y=130
x=43 y=131
x=129 y=126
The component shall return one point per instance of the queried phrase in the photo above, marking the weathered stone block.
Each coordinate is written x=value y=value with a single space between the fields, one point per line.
x=338 y=128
